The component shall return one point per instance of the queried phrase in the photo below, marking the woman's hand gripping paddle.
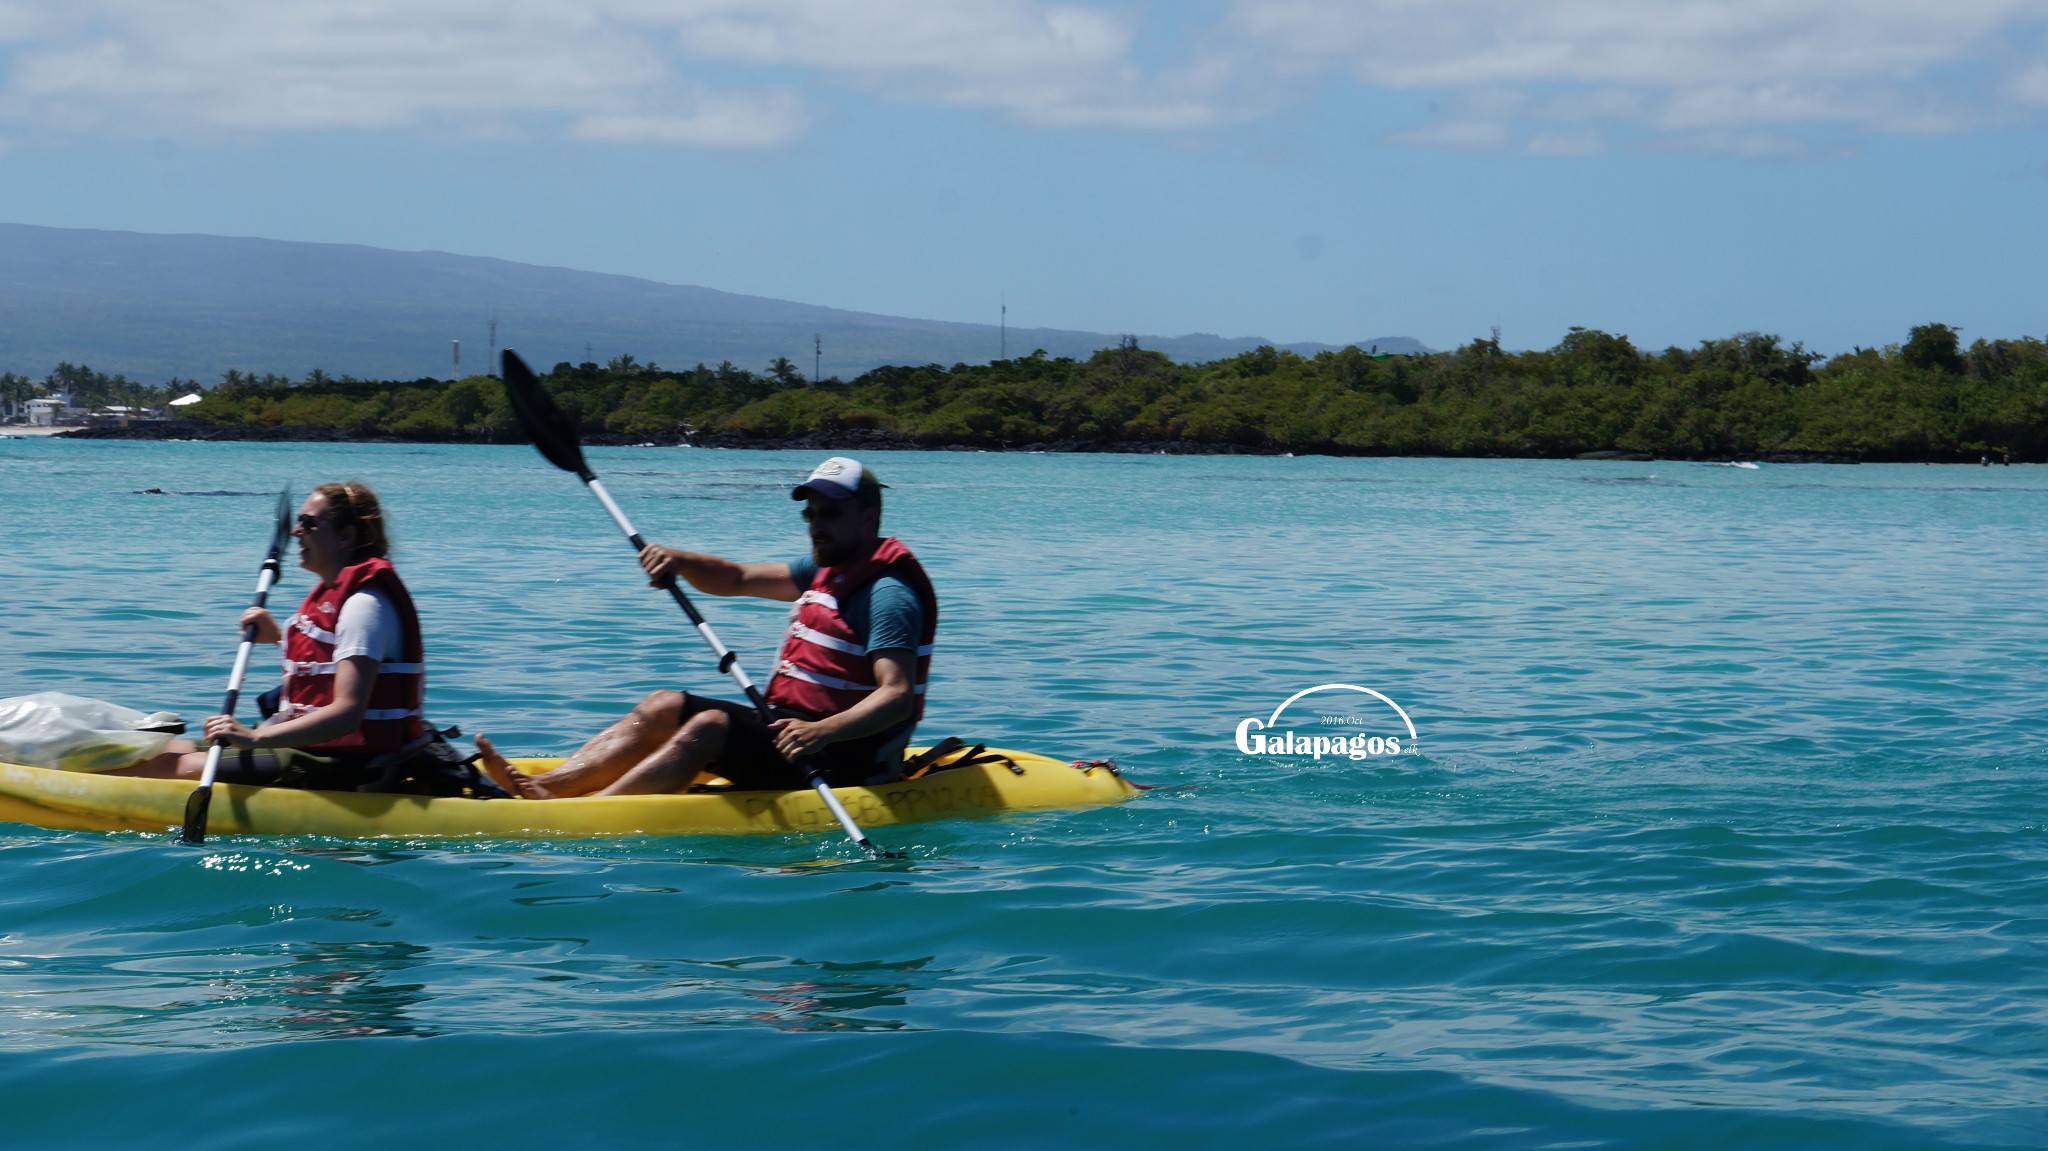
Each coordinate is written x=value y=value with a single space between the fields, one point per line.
x=194 y=830
x=557 y=439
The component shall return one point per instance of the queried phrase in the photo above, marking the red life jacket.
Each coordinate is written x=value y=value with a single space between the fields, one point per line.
x=824 y=667
x=392 y=719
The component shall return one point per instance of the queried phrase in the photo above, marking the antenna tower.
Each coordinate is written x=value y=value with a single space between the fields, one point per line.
x=491 y=364
x=817 y=355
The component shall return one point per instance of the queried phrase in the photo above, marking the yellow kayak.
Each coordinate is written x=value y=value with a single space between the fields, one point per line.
x=1017 y=781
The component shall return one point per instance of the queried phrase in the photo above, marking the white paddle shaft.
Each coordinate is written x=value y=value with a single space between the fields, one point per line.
x=618 y=517
x=264 y=580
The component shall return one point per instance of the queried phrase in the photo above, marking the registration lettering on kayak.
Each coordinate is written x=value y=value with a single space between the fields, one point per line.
x=917 y=802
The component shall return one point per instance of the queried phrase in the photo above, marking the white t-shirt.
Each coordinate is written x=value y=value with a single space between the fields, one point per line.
x=368 y=625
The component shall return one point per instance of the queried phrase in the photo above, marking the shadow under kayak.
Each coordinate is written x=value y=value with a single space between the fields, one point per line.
x=1018 y=781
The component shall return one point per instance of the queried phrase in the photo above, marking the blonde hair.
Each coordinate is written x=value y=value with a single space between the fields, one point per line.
x=354 y=505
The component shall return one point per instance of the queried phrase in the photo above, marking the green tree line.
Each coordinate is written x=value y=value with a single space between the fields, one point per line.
x=1747 y=395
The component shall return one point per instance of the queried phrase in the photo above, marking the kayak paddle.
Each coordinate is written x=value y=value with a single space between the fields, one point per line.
x=558 y=440
x=194 y=830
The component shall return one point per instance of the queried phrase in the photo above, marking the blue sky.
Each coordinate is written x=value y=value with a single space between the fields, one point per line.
x=1299 y=169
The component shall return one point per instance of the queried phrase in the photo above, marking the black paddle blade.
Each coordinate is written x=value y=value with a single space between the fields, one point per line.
x=552 y=432
x=196 y=804
x=283 y=530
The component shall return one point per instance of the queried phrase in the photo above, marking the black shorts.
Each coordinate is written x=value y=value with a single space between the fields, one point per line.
x=290 y=767
x=751 y=762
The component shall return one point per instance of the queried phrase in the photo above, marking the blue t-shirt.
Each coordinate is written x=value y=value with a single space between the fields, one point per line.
x=886 y=611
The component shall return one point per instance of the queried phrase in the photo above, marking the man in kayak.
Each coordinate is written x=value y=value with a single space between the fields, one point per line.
x=848 y=686
x=354 y=663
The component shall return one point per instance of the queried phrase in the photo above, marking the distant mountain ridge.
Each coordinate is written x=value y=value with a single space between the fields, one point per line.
x=156 y=306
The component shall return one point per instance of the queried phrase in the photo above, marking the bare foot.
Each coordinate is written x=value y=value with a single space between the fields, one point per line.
x=505 y=775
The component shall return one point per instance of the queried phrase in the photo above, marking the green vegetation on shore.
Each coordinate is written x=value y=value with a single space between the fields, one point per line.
x=1747 y=395
x=89 y=389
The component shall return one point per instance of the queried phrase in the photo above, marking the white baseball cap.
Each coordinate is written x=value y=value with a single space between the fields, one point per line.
x=836 y=479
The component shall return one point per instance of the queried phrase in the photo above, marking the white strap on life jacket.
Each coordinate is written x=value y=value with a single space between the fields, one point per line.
x=813 y=635
x=295 y=710
x=310 y=628
x=293 y=667
x=794 y=672
x=818 y=597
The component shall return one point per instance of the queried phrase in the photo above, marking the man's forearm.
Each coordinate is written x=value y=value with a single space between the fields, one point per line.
x=884 y=708
x=712 y=575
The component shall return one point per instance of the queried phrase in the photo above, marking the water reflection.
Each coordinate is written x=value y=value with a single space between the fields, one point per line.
x=217 y=998
x=839 y=998
x=558 y=986
x=347 y=990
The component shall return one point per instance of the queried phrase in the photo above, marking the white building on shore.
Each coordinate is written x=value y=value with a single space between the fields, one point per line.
x=47 y=411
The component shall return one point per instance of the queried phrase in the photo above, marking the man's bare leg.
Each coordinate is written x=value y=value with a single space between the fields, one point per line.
x=608 y=755
x=670 y=767
x=677 y=761
x=674 y=764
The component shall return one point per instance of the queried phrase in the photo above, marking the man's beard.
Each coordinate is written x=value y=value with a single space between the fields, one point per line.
x=830 y=553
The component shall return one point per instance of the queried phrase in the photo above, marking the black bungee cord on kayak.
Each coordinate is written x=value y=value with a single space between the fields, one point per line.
x=194 y=829
x=558 y=441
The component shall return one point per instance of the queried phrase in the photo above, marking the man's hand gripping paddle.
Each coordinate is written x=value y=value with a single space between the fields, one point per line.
x=557 y=439
x=194 y=830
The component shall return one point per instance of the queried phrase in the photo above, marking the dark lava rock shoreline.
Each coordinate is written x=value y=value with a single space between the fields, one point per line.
x=856 y=439
x=879 y=440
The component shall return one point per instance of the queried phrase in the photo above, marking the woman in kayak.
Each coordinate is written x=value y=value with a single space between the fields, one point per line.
x=354 y=663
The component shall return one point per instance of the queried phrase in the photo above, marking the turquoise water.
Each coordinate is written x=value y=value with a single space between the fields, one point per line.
x=1724 y=827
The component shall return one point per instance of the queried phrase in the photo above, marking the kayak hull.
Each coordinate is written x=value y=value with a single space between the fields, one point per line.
x=75 y=801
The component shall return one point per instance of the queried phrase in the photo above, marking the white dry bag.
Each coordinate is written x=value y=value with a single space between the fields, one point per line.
x=72 y=733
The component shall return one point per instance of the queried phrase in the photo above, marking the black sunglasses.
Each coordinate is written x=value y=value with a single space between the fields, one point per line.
x=824 y=515
x=308 y=523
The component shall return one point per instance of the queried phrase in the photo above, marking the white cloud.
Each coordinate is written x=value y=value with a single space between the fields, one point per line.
x=19 y=21
x=222 y=66
x=1677 y=73
x=1464 y=134
x=609 y=69
x=1566 y=142
x=1553 y=77
x=710 y=119
x=2030 y=87
x=1056 y=65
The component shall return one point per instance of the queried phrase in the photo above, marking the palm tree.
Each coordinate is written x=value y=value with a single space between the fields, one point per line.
x=14 y=391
